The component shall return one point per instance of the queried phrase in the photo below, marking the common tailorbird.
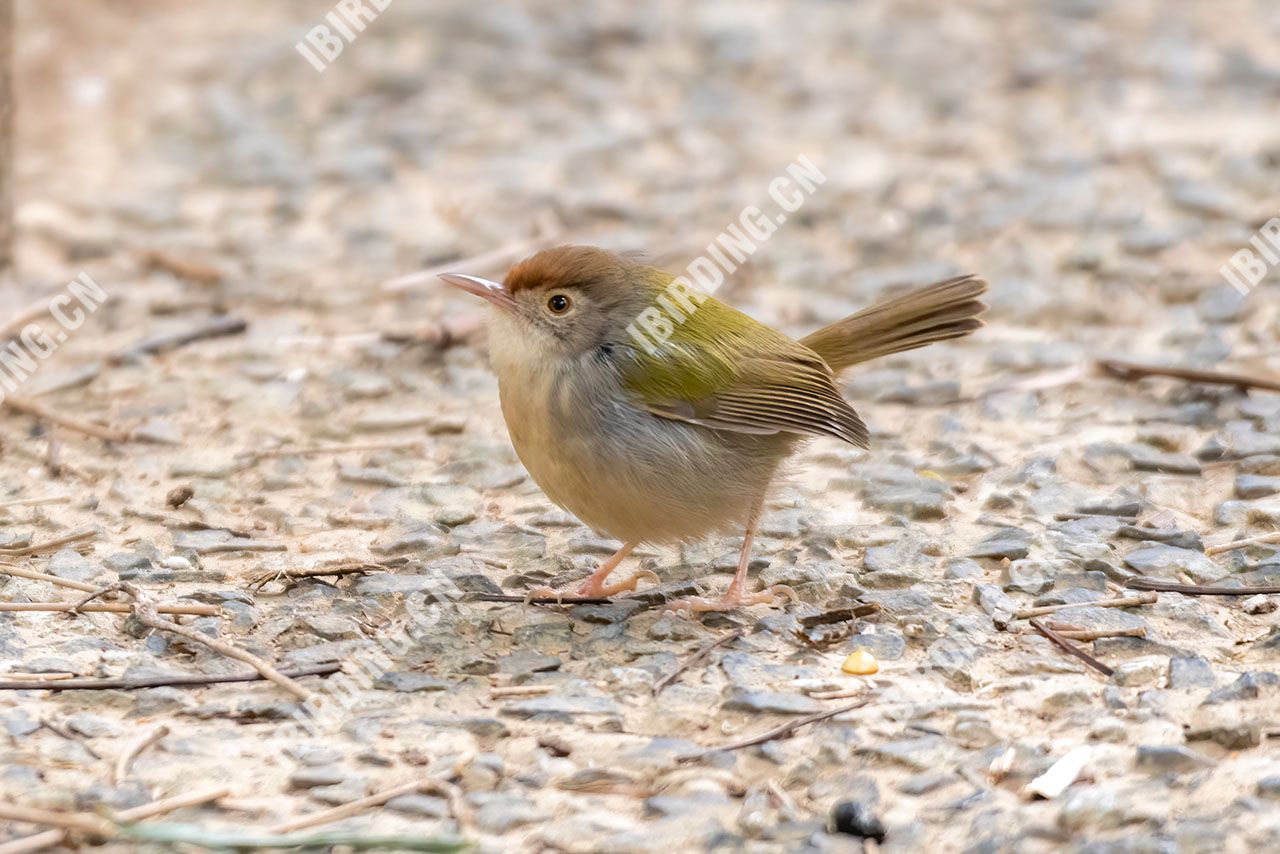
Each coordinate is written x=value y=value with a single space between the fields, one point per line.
x=665 y=439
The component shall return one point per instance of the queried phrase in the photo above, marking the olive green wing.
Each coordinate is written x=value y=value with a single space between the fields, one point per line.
x=723 y=370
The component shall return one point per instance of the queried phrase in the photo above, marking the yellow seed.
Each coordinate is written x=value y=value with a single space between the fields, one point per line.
x=929 y=473
x=860 y=663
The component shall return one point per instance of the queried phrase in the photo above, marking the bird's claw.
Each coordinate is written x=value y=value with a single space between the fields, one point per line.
x=594 y=588
x=591 y=589
x=733 y=599
x=543 y=592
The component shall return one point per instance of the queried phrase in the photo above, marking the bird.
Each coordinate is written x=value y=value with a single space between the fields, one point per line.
x=669 y=429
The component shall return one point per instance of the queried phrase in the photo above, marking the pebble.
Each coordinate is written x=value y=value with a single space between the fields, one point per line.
x=1007 y=543
x=1090 y=808
x=769 y=702
x=1247 y=686
x=1269 y=787
x=855 y=818
x=410 y=682
x=1139 y=671
x=70 y=564
x=1163 y=561
x=556 y=708
x=1190 y=671
x=1171 y=758
x=1250 y=486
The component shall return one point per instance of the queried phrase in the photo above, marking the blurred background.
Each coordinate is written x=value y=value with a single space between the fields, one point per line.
x=1097 y=161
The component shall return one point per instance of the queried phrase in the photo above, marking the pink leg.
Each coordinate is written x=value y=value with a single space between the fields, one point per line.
x=734 y=595
x=595 y=586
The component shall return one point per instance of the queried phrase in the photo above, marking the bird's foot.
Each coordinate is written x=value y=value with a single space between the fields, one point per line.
x=543 y=592
x=592 y=588
x=733 y=598
x=596 y=587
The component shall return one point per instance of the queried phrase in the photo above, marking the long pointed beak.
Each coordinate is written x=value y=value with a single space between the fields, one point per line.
x=483 y=288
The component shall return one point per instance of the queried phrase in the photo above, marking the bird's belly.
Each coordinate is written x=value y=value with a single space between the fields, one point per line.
x=636 y=477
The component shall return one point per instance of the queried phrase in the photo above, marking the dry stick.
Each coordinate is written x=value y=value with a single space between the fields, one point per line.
x=44 y=413
x=34 y=311
x=145 y=612
x=542 y=600
x=457 y=801
x=547 y=230
x=121 y=769
x=1135 y=371
x=20 y=676
x=67 y=820
x=215 y=327
x=1262 y=540
x=109 y=608
x=36 y=502
x=1120 y=602
x=1070 y=648
x=700 y=654
x=785 y=731
x=325 y=816
x=319 y=450
x=66 y=682
x=51 y=545
x=1099 y=634
x=62 y=733
x=20 y=572
x=505 y=691
x=321 y=571
x=49 y=838
x=184 y=268
x=1199 y=589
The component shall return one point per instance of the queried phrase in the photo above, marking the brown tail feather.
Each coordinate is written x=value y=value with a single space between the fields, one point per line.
x=935 y=312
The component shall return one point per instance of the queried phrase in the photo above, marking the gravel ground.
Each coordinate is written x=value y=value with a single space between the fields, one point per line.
x=1097 y=163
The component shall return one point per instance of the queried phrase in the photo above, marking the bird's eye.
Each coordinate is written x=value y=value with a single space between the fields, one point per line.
x=559 y=304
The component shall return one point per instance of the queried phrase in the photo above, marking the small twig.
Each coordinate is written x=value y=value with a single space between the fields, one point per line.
x=67 y=820
x=352 y=568
x=197 y=272
x=1119 y=602
x=457 y=801
x=701 y=653
x=50 y=838
x=506 y=691
x=1199 y=589
x=785 y=731
x=208 y=839
x=325 y=816
x=36 y=502
x=146 y=613
x=78 y=425
x=51 y=545
x=110 y=608
x=67 y=682
x=841 y=694
x=547 y=231
x=1135 y=371
x=28 y=678
x=1070 y=648
x=121 y=769
x=31 y=574
x=321 y=450
x=1262 y=540
x=543 y=600
x=59 y=731
x=1099 y=634
x=214 y=327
